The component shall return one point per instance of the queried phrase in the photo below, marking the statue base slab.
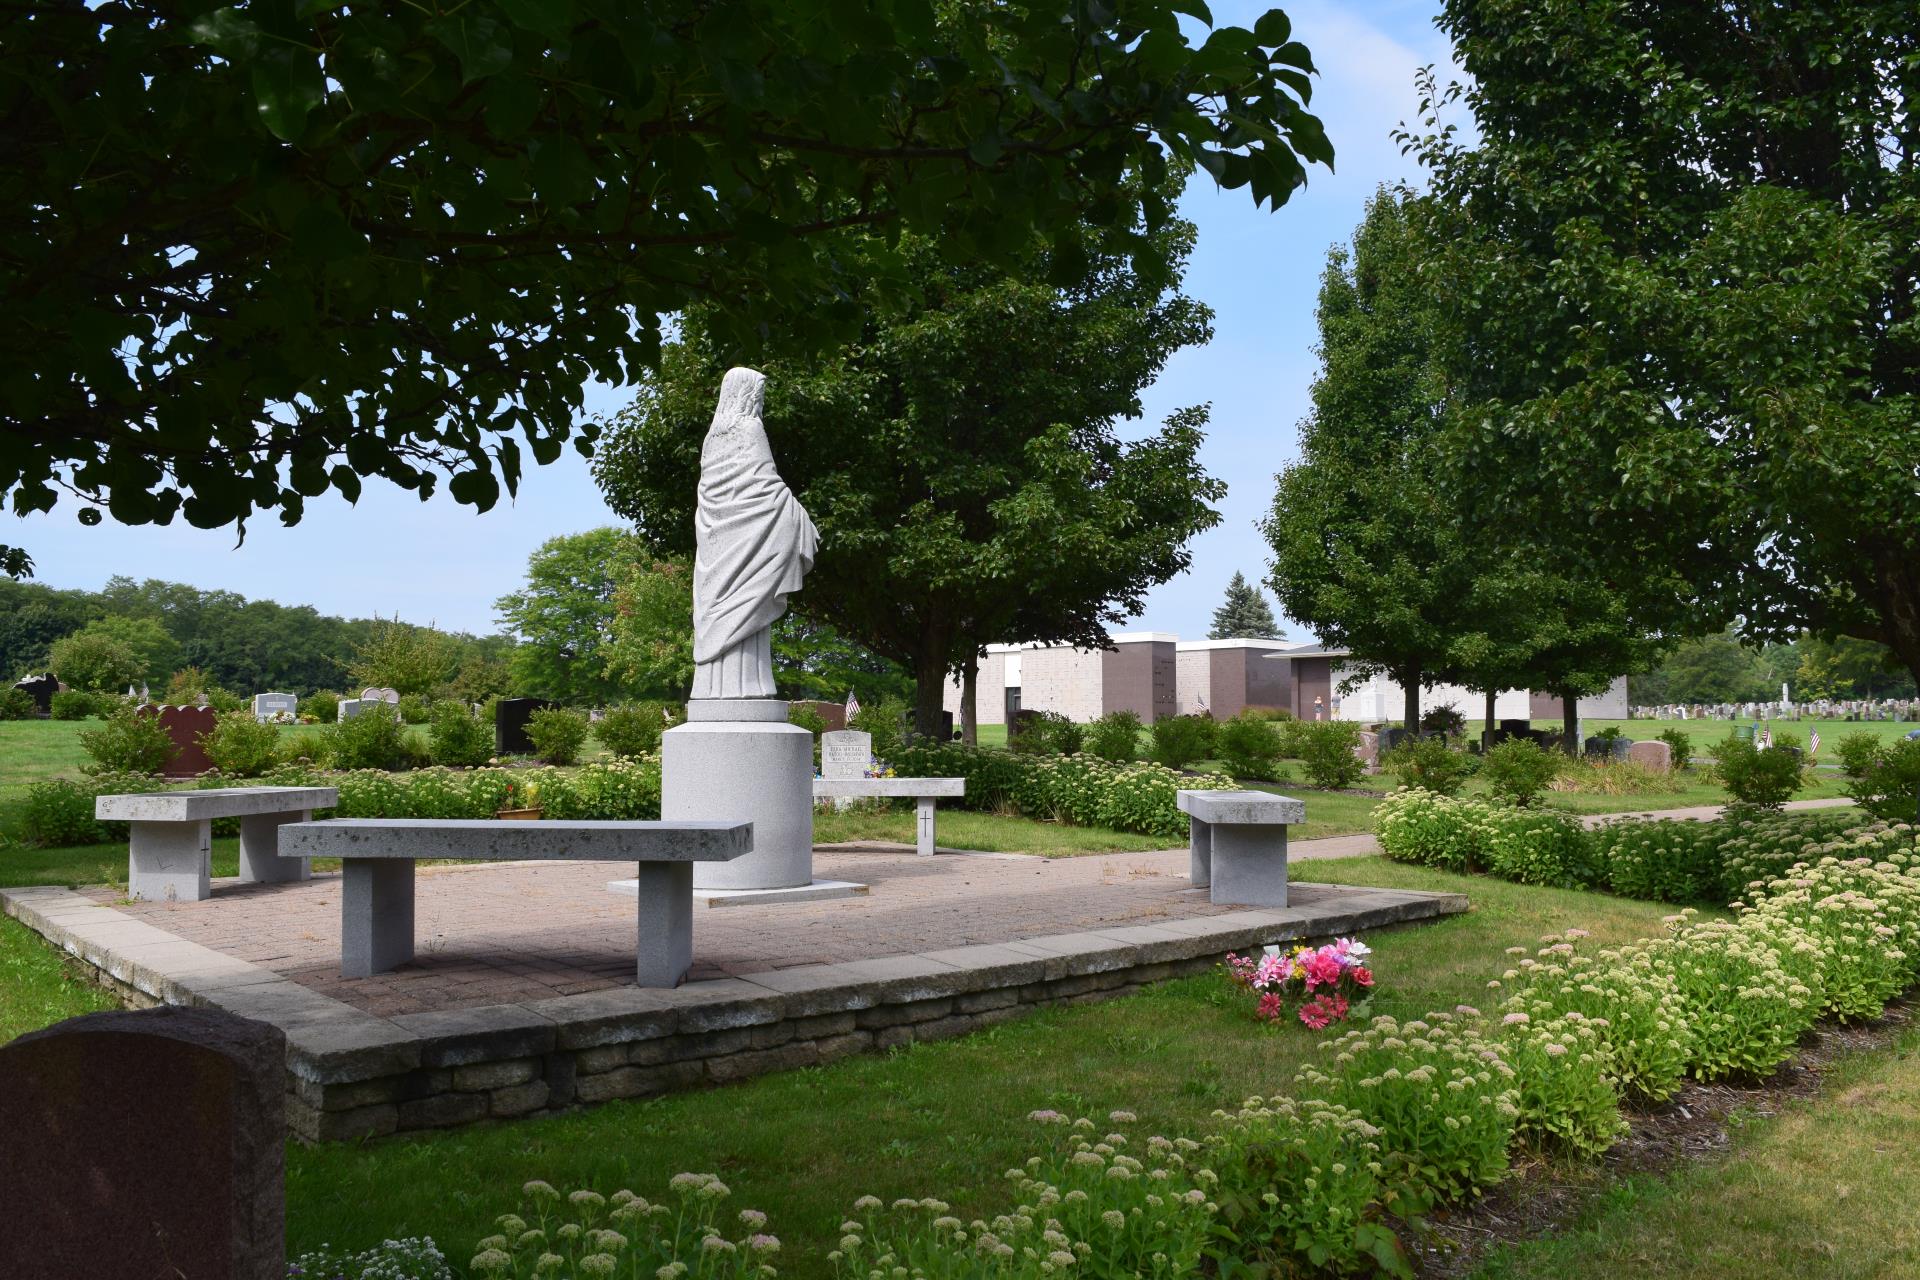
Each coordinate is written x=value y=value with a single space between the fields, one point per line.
x=737 y=710
x=744 y=771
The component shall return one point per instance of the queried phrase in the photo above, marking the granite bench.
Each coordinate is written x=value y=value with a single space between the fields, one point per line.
x=170 y=845
x=923 y=791
x=1237 y=844
x=377 y=856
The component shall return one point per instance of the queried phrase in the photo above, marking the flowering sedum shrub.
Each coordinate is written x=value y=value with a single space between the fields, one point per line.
x=1565 y=1095
x=1665 y=860
x=1414 y=825
x=410 y=1259
x=1761 y=846
x=1440 y=1094
x=1300 y=1187
x=1080 y=790
x=1534 y=846
x=586 y=1236
x=1864 y=920
x=1092 y=1205
x=1745 y=1003
x=1623 y=994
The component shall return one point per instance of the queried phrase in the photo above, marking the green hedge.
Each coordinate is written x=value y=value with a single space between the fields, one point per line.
x=1079 y=790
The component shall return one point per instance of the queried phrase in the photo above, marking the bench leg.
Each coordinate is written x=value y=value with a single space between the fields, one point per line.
x=665 y=949
x=1199 y=851
x=1250 y=865
x=260 y=860
x=376 y=915
x=170 y=861
x=925 y=806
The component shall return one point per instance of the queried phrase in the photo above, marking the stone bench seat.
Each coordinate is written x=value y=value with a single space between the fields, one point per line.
x=170 y=845
x=923 y=791
x=1237 y=844
x=377 y=857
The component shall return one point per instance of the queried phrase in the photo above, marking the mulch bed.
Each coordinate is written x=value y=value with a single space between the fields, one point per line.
x=1542 y=1194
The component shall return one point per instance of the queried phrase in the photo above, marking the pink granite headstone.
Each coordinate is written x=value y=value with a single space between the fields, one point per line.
x=1654 y=754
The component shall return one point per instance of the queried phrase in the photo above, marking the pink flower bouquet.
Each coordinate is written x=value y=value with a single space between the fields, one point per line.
x=1324 y=985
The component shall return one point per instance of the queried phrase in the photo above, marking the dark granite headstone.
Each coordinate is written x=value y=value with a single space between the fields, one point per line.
x=1018 y=722
x=946 y=726
x=185 y=725
x=145 y=1145
x=1598 y=749
x=41 y=689
x=510 y=716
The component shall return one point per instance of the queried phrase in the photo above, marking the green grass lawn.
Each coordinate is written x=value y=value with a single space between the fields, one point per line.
x=1824 y=1189
x=940 y=1119
x=959 y=829
x=37 y=987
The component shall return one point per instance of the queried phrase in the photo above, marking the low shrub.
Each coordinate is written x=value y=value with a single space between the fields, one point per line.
x=1441 y=1095
x=1664 y=860
x=239 y=746
x=633 y=729
x=1430 y=764
x=456 y=736
x=1764 y=779
x=72 y=704
x=324 y=707
x=1082 y=789
x=374 y=739
x=1680 y=745
x=585 y=1236
x=1300 y=1189
x=804 y=714
x=1888 y=786
x=620 y=790
x=1518 y=770
x=17 y=704
x=1446 y=720
x=1115 y=737
x=1863 y=917
x=992 y=776
x=1536 y=846
x=1564 y=1097
x=1328 y=750
x=1180 y=740
x=1762 y=845
x=1414 y=825
x=407 y=1259
x=1623 y=993
x=558 y=733
x=1857 y=752
x=885 y=722
x=1093 y=1204
x=1744 y=1008
x=127 y=742
x=60 y=812
x=415 y=709
x=1248 y=746
x=1038 y=733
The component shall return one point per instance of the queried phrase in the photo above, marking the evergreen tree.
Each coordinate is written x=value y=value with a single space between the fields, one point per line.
x=1245 y=614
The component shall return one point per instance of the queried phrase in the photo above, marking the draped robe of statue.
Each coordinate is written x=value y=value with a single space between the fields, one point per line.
x=753 y=545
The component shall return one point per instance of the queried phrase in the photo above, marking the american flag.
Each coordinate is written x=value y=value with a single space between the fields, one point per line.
x=853 y=706
x=1813 y=745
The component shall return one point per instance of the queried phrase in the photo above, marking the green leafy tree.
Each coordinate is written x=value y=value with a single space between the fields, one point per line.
x=1244 y=614
x=94 y=661
x=564 y=615
x=1686 y=267
x=401 y=656
x=969 y=486
x=263 y=251
x=157 y=652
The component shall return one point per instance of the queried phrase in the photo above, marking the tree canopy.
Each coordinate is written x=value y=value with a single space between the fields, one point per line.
x=1244 y=614
x=1685 y=259
x=563 y=617
x=258 y=252
x=960 y=460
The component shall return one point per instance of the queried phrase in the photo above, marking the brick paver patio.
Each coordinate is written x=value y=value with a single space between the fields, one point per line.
x=511 y=932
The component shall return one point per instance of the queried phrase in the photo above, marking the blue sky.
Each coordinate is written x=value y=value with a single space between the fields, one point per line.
x=440 y=563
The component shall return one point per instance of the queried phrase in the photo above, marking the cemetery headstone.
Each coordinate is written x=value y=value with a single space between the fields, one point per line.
x=268 y=705
x=510 y=716
x=41 y=689
x=845 y=753
x=348 y=709
x=149 y=1143
x=1598 y=749
x=379 y=694
x=832 y=714
x=946 y=726
x=185 y=725
x=1368 y=751
x=1654 y=755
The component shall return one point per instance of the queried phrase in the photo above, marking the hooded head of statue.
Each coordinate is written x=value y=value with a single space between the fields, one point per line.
x=753 y=546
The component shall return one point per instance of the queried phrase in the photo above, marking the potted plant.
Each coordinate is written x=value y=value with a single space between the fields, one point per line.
x=522 y=802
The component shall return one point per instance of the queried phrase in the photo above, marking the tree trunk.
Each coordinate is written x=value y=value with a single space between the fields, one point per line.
x=969 y=700
x=1411 y=687
x=1570 y=723
x=1486 y=729
x=930 y=678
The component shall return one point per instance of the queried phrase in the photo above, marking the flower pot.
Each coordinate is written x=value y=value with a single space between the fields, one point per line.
x=518 y=815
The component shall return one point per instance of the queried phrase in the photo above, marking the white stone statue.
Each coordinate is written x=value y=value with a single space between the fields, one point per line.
x=753 y=546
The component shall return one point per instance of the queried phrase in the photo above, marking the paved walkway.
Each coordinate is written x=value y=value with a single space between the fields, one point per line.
x=505 y=932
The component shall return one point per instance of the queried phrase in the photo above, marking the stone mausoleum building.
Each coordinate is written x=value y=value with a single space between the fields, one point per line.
x=1155 y=674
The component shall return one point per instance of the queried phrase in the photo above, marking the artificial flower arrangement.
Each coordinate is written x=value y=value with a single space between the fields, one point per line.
x=1325 y=984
